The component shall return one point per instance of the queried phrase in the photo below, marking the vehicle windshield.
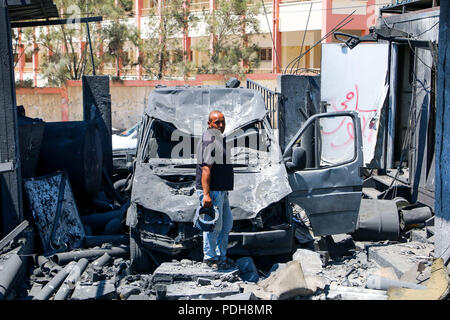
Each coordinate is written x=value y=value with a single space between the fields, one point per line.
x=165 y=142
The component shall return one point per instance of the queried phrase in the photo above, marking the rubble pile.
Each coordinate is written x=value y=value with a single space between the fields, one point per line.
x=322 y=268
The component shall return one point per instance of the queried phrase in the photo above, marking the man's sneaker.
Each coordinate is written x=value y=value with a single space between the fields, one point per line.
x=211 y=263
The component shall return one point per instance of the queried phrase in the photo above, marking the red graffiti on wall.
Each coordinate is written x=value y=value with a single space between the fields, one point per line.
x=352 y=104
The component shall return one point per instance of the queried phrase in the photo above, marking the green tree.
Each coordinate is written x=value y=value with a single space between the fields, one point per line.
x=230 y=24
x=162 y=52
x=66 y=59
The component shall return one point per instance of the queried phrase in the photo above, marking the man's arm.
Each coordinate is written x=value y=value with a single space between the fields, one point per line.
x=206 y=183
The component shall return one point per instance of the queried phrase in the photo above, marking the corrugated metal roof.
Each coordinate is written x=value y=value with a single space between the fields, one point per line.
x=408 y=5
x=20 y=10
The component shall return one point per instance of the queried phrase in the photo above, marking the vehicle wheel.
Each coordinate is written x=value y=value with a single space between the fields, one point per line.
x=140 y=261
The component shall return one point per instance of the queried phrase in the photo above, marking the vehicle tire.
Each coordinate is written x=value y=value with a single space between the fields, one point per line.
x=140 y=261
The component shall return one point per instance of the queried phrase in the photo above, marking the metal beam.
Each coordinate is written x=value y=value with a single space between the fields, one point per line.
x=41 y=23
x=10 y=182
x=14 y=233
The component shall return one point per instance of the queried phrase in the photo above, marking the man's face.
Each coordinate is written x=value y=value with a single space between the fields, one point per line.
x=217 y=121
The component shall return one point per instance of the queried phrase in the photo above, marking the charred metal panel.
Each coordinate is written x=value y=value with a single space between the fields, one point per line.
x=73 y=147
x=31 y=132
x=10 y=182
x=300 y=100
x=422 y=140
x=97 y=106
x=55 y=212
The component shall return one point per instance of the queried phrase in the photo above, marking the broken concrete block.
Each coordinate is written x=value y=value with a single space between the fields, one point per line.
x=232 y=276
x=354 y=293
x=412 y=274
x=399 y=256
x=310 y=261
x=315 y=283
x=388 y=273
x=419 y=236
x=288 y=282
x=139 y=297
x=381 y=283
x=257 y=290
x=124 y=291
x=437 y=287
x=240 y=296
x=189 y=289
x=203 y=281
x=102 y=290
x=247 y=269
x=174 y=271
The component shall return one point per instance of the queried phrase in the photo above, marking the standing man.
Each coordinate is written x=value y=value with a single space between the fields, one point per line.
x=214 y=178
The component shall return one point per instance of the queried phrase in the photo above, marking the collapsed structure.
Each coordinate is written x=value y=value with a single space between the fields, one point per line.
x=59 y=205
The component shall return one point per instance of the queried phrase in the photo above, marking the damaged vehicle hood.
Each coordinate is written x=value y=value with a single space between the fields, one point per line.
x=168 y=185
x=188 y=109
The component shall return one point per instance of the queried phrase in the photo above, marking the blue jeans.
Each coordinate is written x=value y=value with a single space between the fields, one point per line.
x=215 y=243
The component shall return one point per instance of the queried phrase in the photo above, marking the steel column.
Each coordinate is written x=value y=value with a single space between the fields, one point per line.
x=10 y=182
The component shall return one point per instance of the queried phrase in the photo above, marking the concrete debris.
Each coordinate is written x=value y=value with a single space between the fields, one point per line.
x=388 y=273
x=102 y=290
x=140 y=297
x=437 y=287
x=287 y=283
x=232 y=276
x=239 y=296
x=420 y=236
x=247 y=269
x=401 y=257
x=310 y=261
x=190 y=290
x=352 y=293
x=125 y=291
x=175 y=271
x=203 y=281
x=413 y=274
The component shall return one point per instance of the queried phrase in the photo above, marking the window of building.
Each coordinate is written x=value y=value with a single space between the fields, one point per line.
x=265 y=54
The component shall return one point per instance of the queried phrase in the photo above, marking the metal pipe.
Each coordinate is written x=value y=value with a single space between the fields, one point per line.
x=54 y=284
x=76 y=272
x=100 y=220
x=63 y=292
x=381 y=283
x=54 y=22
x=94 y=241
x=63 y=258
x=100 y=262
x=414 y=216
x=16 y=263
x=9 y=270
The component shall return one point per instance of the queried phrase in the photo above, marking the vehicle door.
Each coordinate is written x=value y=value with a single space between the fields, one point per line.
x=323 y=161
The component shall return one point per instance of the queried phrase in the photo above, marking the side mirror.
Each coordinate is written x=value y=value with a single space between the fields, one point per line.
x=298 y=159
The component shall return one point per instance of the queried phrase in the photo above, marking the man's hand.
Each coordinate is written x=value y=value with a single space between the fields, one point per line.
x=207 y=201
x=206 y=182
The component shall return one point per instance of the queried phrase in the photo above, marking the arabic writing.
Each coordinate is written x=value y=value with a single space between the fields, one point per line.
x=351 y=103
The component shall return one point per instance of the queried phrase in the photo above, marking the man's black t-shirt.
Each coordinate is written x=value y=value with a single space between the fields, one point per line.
x=211 y=150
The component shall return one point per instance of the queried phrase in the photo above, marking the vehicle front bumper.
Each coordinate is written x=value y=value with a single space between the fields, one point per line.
x=260 y=243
